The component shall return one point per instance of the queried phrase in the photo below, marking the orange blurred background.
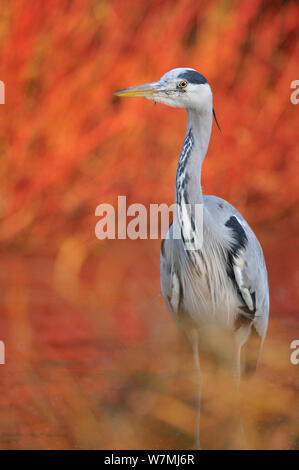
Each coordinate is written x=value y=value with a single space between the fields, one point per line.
x=90 y=352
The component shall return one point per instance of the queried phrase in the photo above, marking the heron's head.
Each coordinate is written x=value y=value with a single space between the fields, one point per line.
x=181 y=88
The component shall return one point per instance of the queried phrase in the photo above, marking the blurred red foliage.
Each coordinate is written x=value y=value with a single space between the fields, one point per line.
x=67 y=145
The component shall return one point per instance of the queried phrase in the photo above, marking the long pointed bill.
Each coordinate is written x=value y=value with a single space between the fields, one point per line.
x=147 y=90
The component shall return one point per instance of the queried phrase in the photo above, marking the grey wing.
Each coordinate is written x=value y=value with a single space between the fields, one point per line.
x=245 y=263
x=248 y=271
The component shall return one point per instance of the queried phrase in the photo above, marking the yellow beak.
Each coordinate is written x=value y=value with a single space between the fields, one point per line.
x=146 y=90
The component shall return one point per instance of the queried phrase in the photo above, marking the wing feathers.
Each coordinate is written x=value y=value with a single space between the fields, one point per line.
x=236 y=262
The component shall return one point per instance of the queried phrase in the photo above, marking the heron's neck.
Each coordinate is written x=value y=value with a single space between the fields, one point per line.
x=188 y=176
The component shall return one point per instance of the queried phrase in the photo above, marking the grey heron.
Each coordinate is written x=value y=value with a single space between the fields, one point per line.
x=219 y=286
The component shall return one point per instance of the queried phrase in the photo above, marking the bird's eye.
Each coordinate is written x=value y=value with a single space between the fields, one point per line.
x=183 y=84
